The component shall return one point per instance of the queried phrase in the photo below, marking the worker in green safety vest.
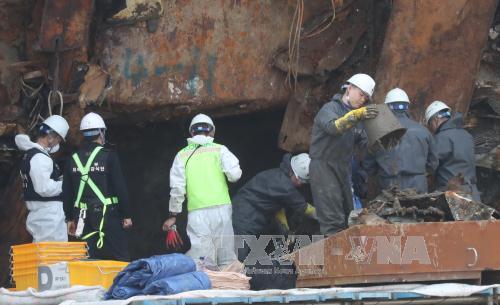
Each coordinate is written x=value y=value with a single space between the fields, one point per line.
x=96 y=200
x=200 y=171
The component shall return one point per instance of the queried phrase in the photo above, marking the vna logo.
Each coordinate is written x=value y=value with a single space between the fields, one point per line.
x=388 y=250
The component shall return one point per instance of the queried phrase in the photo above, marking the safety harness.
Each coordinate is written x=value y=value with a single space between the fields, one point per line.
x=84 y=181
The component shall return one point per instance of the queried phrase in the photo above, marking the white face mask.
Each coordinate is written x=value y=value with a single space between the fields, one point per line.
x=53 y=149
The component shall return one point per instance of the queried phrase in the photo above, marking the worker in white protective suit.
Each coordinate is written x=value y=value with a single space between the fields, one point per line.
x=42 y=181
x=199 y=172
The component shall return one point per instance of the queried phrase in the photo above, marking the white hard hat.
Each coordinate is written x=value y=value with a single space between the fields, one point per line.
x=201 y=118
x=58 y=124
x=363 y=82
x=396 y=95
x=434 y=108
x=92 y=121
x=300 y=166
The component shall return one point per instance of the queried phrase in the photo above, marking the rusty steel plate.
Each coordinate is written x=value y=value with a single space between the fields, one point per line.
x=204 y=55
x=66 y=22
x=432 y=50
x=401 y=252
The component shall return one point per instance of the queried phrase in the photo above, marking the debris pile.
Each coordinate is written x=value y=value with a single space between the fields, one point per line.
x=395 y=206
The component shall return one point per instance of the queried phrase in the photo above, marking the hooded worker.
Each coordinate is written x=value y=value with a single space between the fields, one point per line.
x=333 y=139
x=454 y=145
x=42 y=183
x=406 y=165
x=96 y=199
x=200 y=171
x=267 y=194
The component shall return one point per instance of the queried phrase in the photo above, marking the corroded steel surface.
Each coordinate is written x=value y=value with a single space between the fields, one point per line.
x=203 y=55
x=13 y=16
x=423 y=251
x=66 y=22
x=432 y=50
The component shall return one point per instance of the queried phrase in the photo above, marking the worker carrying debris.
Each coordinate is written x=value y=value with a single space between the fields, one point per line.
x=332 y=144
x=42 y=183
x=267 y=195
x=96 y=199
x=406 y=165
x=199 y=171
x=455 y=148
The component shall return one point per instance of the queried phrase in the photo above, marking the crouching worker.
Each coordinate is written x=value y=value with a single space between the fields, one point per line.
x=42 y=183
x=96 y=200
x=266 y=195
x=199 y=171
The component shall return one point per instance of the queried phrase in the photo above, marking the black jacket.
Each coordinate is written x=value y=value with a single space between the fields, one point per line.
x=455 y=148
x=257 y=202
x=327 y=144
x=107 y=175
x=407 y=164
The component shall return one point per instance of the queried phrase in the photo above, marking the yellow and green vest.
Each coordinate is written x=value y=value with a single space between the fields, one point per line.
x=206 y=184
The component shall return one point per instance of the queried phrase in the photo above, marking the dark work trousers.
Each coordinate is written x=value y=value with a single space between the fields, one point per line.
x=115 y=245
x=332 y=195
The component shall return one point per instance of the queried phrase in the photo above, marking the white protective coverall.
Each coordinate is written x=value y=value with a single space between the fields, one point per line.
x=210 y=230
x=46 y=220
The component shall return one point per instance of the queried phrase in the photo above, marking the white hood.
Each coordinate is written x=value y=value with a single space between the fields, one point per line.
x=200 y=140
x=24 y=143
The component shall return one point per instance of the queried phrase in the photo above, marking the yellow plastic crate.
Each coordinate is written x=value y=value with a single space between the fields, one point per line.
x=24 y=269
x=16 y=270
x=24 y=281
x=42 y=258
x=92 y=273
x=26 y=258
x=49 y=247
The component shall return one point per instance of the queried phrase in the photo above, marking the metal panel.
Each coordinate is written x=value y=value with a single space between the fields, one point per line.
x=401 y=252
x=66 y=22
x=432 y=49
x=204 y=55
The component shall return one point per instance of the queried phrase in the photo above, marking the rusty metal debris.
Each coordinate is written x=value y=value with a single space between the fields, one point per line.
x=407 y=206
x=96 y=84
x=138 y=10
x=438 y=34
x=491 y=159
x=8 y=129
x=364 y=217
x=311 y=57
x=65 y=25
x=463 y=208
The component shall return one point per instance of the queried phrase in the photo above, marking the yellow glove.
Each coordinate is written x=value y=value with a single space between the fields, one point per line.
x=350 y=119
x=281 y=218
x=311 y=211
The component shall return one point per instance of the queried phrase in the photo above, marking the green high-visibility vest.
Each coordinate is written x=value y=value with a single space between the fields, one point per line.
x=206 y=184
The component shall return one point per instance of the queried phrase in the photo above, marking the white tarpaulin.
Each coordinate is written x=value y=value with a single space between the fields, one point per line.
x=51 y=297
x=436 y=290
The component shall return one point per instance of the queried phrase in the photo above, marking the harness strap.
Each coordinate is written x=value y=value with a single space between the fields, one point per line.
x=86 y=180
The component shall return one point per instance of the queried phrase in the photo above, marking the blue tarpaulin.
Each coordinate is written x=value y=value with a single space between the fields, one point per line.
x=140 y=274
x=176 y=284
